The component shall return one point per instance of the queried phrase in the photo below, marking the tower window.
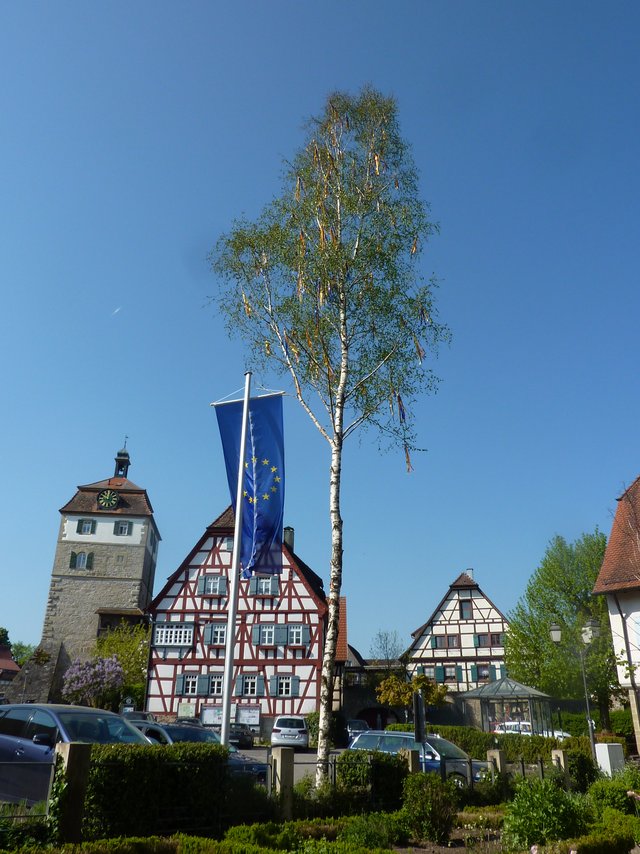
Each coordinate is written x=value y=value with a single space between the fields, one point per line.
x=86 y=526
x=122 y=528
x=81 y=560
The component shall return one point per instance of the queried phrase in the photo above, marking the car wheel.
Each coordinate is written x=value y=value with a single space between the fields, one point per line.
x=458 y=780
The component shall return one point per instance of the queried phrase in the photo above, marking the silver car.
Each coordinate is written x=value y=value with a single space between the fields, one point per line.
x=290 y=731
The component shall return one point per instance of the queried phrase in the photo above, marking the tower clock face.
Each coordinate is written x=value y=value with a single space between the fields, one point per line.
x=108 y=499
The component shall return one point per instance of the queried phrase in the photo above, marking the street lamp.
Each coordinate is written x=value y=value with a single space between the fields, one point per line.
x=590 y=631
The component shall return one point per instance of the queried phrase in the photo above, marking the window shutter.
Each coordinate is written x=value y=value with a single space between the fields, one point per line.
x=474 y=672
x=129 y=528
x=180 y=684
x=115 y=528
x=439 y=673
x=306 y=635
x=222 y=585
x=201 y=582
x=89 y=563
x=207 y=633
x=295 y=686
x=492 y=673
x=72 y=560
x=459 y=676
x=255 y=635
x=253 y=585
x=280 y=634
x=475 y=641
x=420 y=670
x=237 y=691
x=260 y=686
x=79 y=527
x=433 y=642
x=274 y=585
x=273 y=686
x=203 y=685
x=93 y=526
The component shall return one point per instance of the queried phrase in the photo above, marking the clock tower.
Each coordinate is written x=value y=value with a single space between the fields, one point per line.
x=103 y=574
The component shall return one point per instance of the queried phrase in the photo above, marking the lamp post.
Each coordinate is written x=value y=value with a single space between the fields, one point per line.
x=590 y=631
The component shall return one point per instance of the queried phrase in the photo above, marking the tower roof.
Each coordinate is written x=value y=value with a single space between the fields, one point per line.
x=621 y=565
x=133 y=499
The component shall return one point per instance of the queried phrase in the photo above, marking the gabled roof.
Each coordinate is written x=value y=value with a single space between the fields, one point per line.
x=463 y=582
x=7 y=664
x=134 y=500
x=621 y=565
x=224 y=525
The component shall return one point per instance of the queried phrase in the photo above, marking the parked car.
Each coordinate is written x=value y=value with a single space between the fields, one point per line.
x=176 y=733
x=29 y=733
x=139 y=716
x=525 y=728
x=290 y=731
x=434 y=752
x=354 y=726
x=241 y=735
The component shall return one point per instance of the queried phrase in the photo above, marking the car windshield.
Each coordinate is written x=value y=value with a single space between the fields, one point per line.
x=192 y=733
x=100 y=728
x=290 y=723
x=445 y=748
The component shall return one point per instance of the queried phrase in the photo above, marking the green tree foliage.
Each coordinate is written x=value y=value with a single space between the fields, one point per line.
x=326 y=287
x=130 y=645
x=21 y=652
x=4 y=637
x=559 y=592
x=396 y=691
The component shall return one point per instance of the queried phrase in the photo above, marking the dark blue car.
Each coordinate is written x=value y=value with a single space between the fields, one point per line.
x=29 y=733
x=435 y=753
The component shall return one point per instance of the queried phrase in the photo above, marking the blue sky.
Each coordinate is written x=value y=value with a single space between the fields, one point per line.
x=133 y=134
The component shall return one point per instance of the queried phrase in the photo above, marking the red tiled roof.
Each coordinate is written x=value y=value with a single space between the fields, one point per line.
x=464 y=580
x=7 y=664
x=342 y=648
x=134 y=500
x=621 y=565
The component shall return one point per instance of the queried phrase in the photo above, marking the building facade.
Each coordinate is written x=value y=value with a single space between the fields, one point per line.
x=280 y=630
x=462 y=643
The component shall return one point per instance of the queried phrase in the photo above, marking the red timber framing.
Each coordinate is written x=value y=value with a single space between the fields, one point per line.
x=280 y=631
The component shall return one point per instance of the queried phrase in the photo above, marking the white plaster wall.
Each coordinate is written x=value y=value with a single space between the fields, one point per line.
x=630 y=606
x=104 y=530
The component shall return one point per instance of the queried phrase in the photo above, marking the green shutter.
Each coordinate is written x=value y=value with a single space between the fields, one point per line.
x=420 y=670
x=475 y=641
x=306 y=635
x=237 y=691
x=274 y=585
x=79 y=526
x=207 y=633
x=115 y=528
x=273 y=686
x=203 y=685
x=253 y=585
x=459 y=676
x=72 y=560
x=180 y=685
x=222 y=585
x=260 y=686
x=201 y=582
x=474 y=672
x=295 y=686
x=439 y=673
x=492 y=673
x=433 y=642
x=89 y=564
x=280 y=635
x=93 y=526
x=255 y=635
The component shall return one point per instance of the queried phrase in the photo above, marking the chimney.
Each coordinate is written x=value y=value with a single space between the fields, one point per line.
x=288 y=538
x=470 y=572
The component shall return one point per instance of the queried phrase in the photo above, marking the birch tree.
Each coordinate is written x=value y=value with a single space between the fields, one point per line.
x=326 y=286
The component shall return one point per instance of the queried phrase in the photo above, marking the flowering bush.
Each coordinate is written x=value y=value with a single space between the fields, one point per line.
x=94 y=683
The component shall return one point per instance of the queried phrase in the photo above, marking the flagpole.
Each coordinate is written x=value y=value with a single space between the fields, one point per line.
x=232 y=608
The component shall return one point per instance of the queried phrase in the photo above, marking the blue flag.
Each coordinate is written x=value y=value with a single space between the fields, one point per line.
x=263 y=485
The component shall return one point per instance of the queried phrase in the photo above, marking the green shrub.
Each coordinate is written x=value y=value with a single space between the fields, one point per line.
x=430 y=806
x=381 y=774
x=497 y=790
x=608 y=792
x=268 y=835
x=582 y=769
x=620 y=823
x=540 y=812
x=18 y=833
x=596 y=842
x=376 y=830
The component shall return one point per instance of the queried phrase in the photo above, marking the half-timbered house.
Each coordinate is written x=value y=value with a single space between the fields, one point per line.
x=280 y=631
x=462 y=642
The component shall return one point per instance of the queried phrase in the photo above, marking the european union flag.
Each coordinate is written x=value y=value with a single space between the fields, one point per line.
x=263 y=487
